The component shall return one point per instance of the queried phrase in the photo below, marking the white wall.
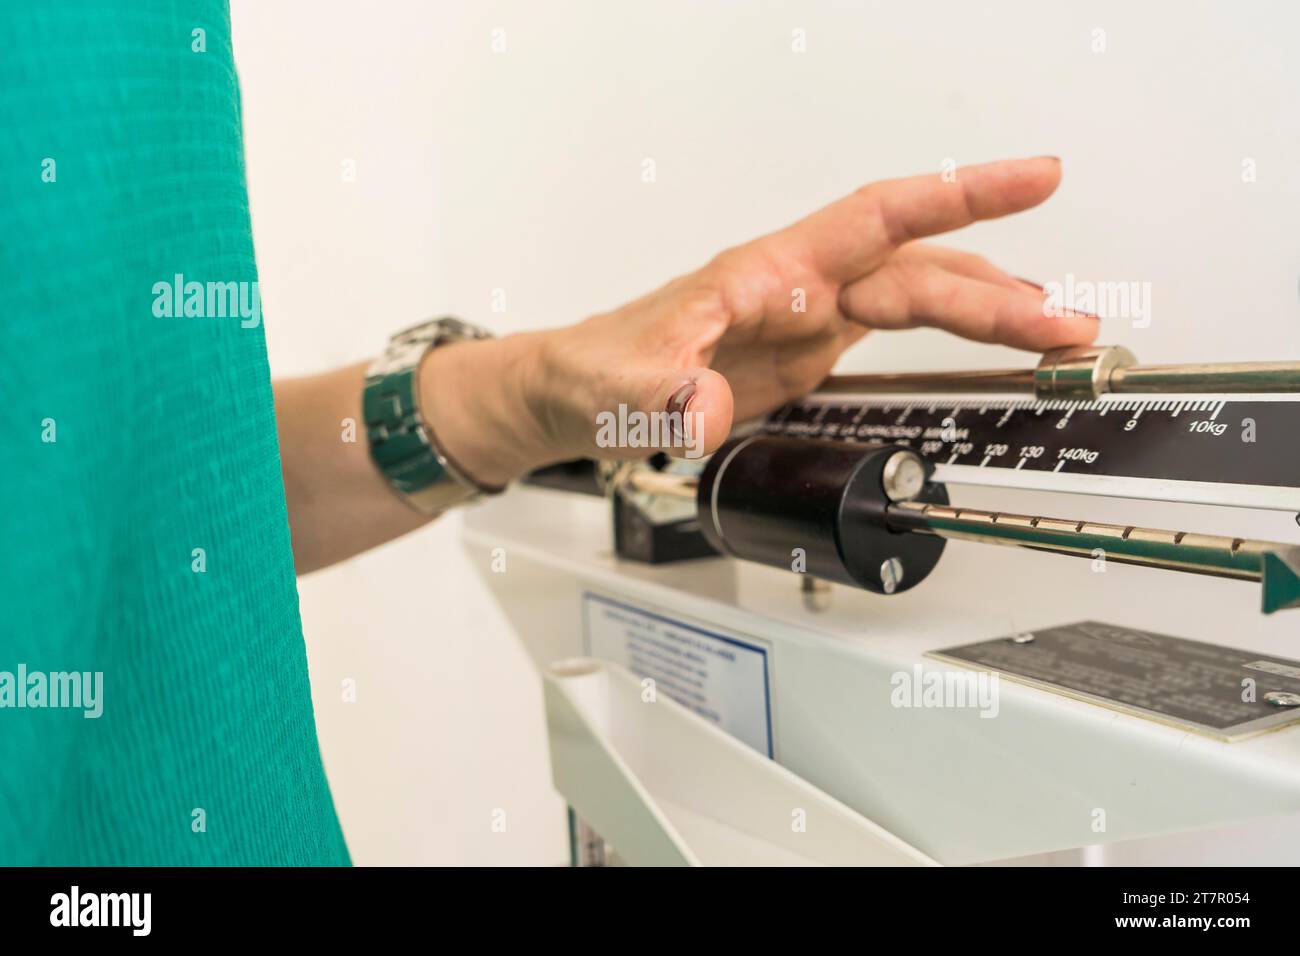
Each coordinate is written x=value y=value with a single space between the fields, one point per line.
x=521 y=171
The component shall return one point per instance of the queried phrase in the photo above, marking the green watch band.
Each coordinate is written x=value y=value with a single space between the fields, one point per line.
x=402 y=442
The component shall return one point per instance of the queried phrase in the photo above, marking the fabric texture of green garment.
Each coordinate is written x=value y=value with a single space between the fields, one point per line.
x=143 y=531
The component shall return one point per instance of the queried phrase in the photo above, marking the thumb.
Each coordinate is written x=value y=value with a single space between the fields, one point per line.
x=684 y=412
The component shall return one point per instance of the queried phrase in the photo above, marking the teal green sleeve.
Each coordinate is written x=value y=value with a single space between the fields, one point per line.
x=143 y=532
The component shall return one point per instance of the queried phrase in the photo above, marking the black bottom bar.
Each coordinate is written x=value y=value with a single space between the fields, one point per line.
x=1060 y=906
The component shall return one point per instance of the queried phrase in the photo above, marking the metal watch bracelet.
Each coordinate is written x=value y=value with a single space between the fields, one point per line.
x=403 y=443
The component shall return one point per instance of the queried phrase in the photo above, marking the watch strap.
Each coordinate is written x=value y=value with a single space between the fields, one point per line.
x=402 y=441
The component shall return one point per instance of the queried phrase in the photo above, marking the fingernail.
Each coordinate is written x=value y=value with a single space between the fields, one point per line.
x=678 y=404
x=681 y=399
x=1032 y=285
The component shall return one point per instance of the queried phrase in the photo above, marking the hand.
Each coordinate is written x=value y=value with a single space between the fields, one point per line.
x=759 y=325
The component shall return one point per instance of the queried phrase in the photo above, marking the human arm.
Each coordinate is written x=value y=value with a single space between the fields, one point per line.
x=725 y=343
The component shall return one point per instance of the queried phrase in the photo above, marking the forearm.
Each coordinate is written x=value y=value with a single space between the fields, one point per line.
x=477 y=396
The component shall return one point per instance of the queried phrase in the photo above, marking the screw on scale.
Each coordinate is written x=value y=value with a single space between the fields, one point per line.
x=891 y=574
x=816 y=593
x=902 y=479
x=903 y=476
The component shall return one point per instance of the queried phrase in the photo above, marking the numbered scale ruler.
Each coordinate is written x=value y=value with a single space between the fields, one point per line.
x=1241 y=450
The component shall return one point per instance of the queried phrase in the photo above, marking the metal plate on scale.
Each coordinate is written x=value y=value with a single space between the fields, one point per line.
x=1240 y=450
x=1218 y=691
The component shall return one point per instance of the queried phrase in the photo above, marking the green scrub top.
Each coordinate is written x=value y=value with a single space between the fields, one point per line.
x=144 y=542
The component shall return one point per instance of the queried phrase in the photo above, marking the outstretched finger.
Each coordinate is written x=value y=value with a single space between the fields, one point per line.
x=853 y=236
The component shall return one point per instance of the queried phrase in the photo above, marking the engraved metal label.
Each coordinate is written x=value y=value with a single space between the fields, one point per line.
x=1225 y=693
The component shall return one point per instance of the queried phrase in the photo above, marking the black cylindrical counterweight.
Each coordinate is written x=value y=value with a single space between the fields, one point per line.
x=815 y=506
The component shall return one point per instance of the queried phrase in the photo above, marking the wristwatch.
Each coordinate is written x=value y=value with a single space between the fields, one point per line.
x=402 y=441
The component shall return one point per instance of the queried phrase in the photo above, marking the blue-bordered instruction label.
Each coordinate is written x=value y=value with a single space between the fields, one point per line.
x=722 y=677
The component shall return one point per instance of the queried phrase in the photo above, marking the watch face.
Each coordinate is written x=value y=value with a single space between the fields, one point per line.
x=425 y=331
x=437 y=331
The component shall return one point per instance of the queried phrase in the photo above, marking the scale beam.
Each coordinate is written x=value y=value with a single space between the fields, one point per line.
x=1081 y=373
x=851 y=480
x=1089 y=421
x=1275 y=566
x=763 y=522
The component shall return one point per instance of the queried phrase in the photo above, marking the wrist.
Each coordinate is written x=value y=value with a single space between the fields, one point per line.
x=482 y=400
